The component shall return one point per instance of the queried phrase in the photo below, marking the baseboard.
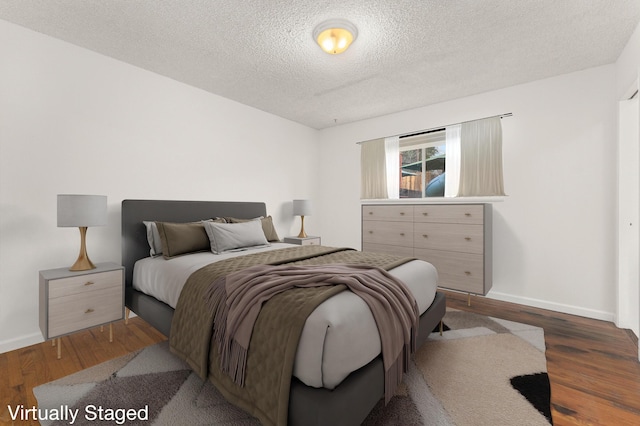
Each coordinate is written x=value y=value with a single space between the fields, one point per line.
x=28 y=340
x=20 y=342
x=552 y=306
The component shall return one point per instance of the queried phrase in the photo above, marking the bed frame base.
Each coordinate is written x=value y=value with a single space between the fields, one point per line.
x=346 y=405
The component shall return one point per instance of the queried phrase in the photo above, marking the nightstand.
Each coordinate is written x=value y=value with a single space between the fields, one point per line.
x=71 y=301
x=306 y=241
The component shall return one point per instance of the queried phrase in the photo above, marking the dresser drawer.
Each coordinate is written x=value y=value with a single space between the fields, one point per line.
x=449 y=237
x=80 y=284
x=454 y=213
x=388 y=233
x=85 y=309
x=456 y=271
x=387 y=249
x=395 y=213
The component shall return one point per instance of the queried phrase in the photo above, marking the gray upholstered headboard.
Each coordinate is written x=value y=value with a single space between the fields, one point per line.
x=134 y=235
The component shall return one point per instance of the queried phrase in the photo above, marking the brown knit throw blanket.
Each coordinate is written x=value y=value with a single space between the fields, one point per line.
x=238 y=298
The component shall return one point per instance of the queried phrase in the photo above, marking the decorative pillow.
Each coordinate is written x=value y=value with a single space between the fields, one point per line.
x=182 y=238
x=153 y=237
x=232 y=236
x=267 y=226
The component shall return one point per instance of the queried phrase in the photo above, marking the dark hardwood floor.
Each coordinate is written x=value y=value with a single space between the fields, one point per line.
x=593 y=366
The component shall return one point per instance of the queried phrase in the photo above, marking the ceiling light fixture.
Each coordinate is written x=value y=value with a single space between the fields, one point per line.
x=335 y=36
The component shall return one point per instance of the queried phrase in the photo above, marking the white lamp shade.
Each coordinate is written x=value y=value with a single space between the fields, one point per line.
x=82 y=210
x=301 y=207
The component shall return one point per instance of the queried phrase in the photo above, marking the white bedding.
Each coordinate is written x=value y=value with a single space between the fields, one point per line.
x=339 y=336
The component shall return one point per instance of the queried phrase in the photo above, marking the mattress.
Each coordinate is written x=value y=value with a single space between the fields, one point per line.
x=339 y=337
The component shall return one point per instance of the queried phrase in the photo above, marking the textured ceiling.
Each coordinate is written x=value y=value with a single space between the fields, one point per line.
x=408 y=53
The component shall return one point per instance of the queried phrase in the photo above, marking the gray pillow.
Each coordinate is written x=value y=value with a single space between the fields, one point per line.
x=233 y=236
x=267 y=226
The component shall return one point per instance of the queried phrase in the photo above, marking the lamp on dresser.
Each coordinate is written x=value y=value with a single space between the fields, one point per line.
x=82 y=211
x=302 y=208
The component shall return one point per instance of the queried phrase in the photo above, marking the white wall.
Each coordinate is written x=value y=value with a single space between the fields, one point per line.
x=628 y=65
x=628 y=81
x=554 y=235
x=73 y=121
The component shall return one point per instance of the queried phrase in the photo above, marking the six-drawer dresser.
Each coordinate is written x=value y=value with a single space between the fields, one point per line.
x=455 y=238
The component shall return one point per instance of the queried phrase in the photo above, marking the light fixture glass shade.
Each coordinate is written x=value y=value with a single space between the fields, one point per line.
x=82 y=210
x=335 y=36
x=301 y=208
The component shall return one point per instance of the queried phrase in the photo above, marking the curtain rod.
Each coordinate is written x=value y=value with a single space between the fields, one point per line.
x=436 y=129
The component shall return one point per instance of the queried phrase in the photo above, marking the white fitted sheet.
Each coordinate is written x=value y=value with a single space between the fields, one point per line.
x=339 y=336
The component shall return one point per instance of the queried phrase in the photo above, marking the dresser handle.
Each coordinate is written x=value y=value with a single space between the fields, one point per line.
x=401 y=213
x=371 y=232
x=467 y=273
x=467 y=238
x=89 y=283
x=370 y=212
x=402 y=234
x=425 y=235
x=88 y=311
x=425 y=214
x=467 y=214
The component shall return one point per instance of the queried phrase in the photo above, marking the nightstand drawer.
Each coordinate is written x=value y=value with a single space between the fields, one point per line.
x=303 y=241
x=83 y=310
x=80 y=284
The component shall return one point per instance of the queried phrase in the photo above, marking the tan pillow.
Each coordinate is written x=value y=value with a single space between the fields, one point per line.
x=182 y=238
x=267 y=226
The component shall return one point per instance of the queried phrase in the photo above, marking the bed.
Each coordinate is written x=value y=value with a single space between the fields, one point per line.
x=346 y=403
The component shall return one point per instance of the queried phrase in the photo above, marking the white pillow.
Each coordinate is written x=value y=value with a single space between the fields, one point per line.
x=233 y=236
x=153 y=237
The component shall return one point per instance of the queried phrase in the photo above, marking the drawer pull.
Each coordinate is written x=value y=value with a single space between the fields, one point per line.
x=89 y=283
x=371 y=232
x=467 y=238
x=88 y=311
x=425 y=235
x=370 y=212
x=401 y=213
x=402 y=234
x=467 y=214
x=425 y=214
x=467 y=273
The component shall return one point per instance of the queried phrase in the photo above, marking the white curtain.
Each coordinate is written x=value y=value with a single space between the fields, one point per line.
x=373 y=170
x=392 y=155
x=480 y=158
x=451 y=183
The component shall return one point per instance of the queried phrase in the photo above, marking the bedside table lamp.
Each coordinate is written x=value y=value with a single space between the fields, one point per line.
x=302 y=208
x=82 y=211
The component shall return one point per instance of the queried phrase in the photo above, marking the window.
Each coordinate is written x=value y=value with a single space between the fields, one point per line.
x=422 y=165
x=460 y=160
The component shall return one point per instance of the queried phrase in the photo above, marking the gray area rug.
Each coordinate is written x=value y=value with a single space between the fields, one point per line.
x=460 y=378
